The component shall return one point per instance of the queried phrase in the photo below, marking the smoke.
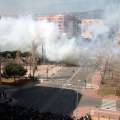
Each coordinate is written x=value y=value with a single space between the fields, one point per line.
x=19 y=34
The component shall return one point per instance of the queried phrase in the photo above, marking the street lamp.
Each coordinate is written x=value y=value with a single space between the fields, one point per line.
x=0 y=67
x=33 y=50
x=77 y=99
x=85 y=76
x=47 y=71
x=58 y=57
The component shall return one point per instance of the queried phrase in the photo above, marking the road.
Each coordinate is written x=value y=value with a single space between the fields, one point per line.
x=54 y=99
x=71 y=77
x=60 y=94
x=48 y=99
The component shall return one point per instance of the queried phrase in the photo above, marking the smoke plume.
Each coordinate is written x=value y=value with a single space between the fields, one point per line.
x=19 y=33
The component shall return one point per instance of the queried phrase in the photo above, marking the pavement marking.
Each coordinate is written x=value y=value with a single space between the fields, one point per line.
x=63 y=84
x=56 y=110
x=45 y=93
x=108 y=105
x=36 y=101
x=71 y=77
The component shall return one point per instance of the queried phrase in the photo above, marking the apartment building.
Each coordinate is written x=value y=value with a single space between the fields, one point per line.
x=90 y=27
x=67 y=23
x=117 y=33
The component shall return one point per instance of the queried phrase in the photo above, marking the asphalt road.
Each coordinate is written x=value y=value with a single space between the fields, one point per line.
x=2 y=89
x=48 y=99
x=71 y=77
x=54 y=99
x=90 y=102
x=60 y=94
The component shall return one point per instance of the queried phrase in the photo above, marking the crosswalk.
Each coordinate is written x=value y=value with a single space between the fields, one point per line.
x=108 y=105
x=63 y=83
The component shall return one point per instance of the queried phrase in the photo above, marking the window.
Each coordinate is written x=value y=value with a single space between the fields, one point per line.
x=60 y=18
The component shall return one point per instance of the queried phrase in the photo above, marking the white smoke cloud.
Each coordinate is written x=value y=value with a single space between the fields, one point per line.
x=19 y=33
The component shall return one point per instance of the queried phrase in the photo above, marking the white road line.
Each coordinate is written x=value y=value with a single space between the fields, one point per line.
x=56 y=110
x=36 y=101
x=108 y=104
x=45 y=93
x=71 y=77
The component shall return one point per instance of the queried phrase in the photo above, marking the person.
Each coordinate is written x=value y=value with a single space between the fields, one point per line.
x=73 y=71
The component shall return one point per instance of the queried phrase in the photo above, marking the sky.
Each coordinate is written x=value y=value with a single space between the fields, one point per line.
x=15 y=7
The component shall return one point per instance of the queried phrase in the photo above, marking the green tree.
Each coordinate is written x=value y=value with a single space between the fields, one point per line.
x=8 y=54
x=12 y=54
x=14 y=70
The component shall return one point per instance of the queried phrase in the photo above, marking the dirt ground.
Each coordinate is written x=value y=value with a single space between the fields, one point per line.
x=19 y=81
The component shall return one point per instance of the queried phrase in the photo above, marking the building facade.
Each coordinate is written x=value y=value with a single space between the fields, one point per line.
x=67 y=23
x=90 y=27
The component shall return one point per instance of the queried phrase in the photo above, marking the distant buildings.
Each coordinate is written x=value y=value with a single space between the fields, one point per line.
x=95 y=14
x=117 y=33
x=67 y=23
x=74 y=26
x=90 y=27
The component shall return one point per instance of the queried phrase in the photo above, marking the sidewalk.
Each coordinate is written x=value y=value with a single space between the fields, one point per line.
x=44 y=72
x=92 y=89
x=96 y=113
x=41 y=73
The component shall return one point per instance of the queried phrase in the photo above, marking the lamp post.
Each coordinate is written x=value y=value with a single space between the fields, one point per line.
x=76 y=103
x=33 y=50
x=0 y=68
x=47 y=71
x=76 y=99
x=85 y=76
x=59 y=57
x=58 y=61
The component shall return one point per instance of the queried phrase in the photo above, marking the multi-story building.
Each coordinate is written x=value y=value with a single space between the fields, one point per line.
x=67 y=23
x=117 y=33
x=90 y=27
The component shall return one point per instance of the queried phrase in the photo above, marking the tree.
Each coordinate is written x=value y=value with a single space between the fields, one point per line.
x=12 y=54
x=8 y=55
x=24 y=56
x=14 y=70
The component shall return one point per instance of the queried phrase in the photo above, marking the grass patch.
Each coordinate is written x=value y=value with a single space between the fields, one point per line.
x=106 y=91
x=118 y=92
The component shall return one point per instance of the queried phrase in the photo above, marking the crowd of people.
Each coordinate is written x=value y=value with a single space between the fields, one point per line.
x=15 y=112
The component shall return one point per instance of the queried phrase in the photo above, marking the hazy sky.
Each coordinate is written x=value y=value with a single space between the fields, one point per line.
x=11 y=7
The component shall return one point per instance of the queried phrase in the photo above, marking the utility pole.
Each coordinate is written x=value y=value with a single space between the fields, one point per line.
x=30 y=66
x=42 y=53
x=0 y=67
x=85 y=76
x=33 y=58
x=76 y=98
